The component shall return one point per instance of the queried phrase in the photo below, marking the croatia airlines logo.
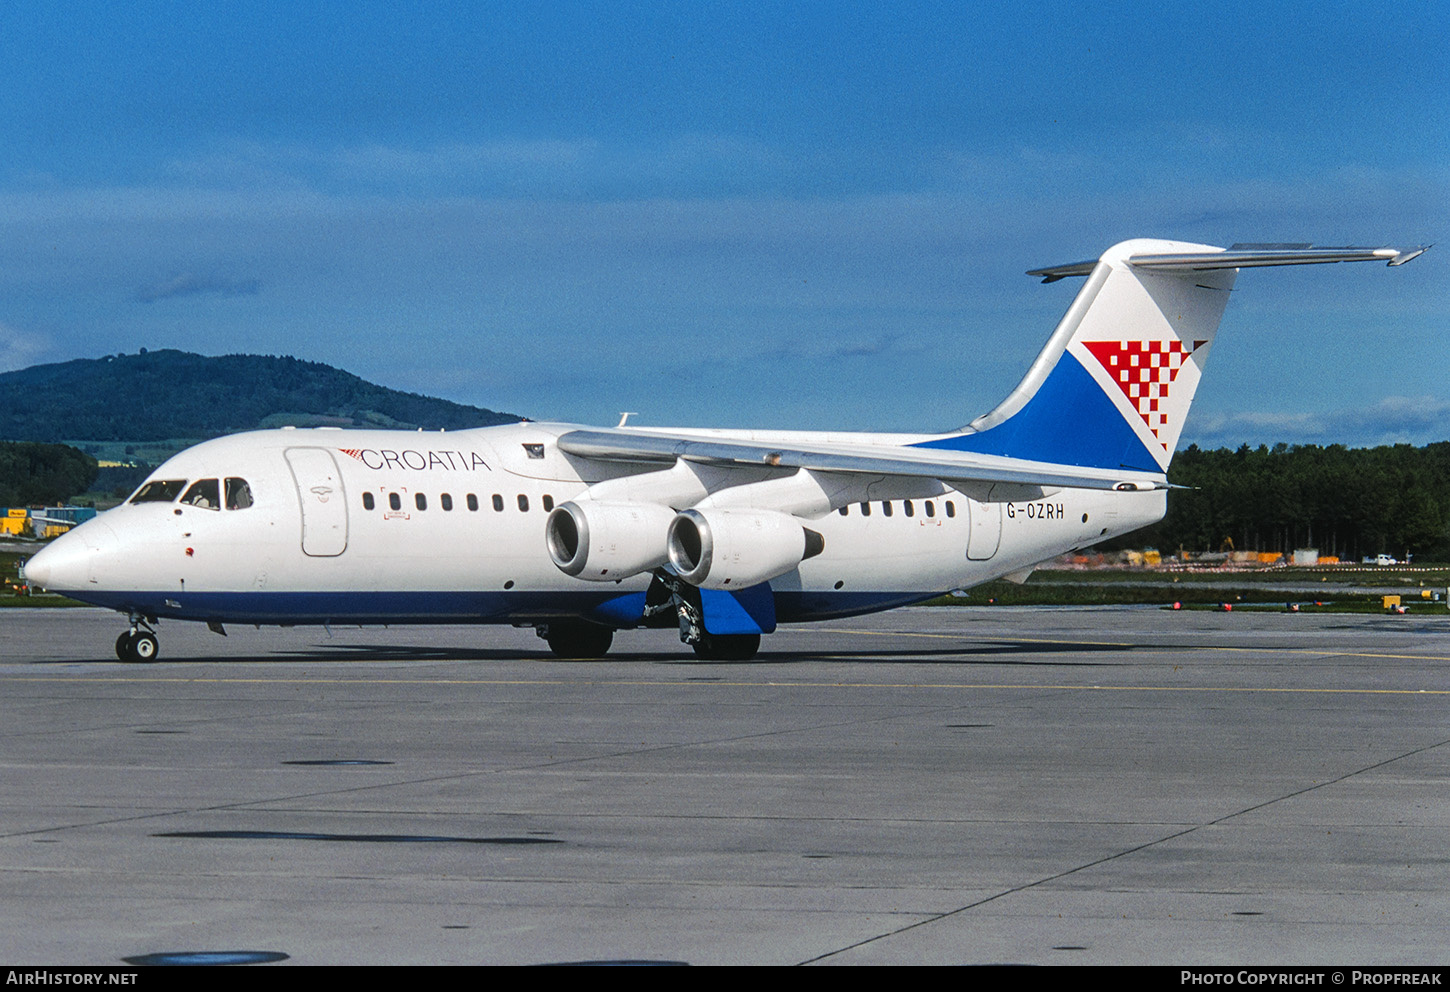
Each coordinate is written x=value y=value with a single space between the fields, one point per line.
x=418 y=461
x=1145 y=372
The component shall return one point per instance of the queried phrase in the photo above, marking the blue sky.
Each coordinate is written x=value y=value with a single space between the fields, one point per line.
x=808 y=215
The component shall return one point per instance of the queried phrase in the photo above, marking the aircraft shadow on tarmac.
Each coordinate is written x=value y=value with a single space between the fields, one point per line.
x=993 y=652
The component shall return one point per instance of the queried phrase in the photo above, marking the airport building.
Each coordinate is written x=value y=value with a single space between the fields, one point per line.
x=42 y=522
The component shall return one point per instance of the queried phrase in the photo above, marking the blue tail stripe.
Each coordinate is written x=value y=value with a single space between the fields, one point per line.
x=1068 y=421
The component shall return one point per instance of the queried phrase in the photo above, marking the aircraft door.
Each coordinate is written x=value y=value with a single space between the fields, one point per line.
x=984 y=535
x=323 y=501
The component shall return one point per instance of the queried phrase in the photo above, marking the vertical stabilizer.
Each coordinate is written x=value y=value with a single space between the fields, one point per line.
x=1113 y=386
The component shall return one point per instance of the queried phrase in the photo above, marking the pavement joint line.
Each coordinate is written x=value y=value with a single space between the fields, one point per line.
x=1128 y=851
x=768 y=684
x=1013 y=890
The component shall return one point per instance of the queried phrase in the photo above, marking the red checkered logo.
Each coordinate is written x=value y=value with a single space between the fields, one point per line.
x=354 y=452
x=1144 y=370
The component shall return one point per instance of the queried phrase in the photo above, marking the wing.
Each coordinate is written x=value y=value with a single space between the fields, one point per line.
x=955 y=468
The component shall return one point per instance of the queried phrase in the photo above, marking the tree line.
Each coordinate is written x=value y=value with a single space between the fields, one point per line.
x=43 y=474
x=1349 y=502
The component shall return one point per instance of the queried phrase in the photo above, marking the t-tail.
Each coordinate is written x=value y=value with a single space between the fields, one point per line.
x=1113 y=386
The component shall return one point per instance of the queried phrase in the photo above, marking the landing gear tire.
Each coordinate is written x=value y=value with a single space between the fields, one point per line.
x=727 y=647
x=140 y=646
x=579 y=640
x=145 y=647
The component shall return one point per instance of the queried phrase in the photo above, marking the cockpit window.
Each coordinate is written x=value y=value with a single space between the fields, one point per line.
x=204 y=493
x=159 y=491
x=239 y=494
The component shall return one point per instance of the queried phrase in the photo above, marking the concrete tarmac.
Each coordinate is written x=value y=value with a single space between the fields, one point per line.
x=927 y=786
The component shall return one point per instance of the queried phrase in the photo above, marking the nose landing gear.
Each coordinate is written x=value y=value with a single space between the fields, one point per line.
x=139 y=644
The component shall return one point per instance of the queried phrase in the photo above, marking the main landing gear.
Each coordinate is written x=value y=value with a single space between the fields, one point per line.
x=577 y=638
x=726 y=647
x=581 y=639
x=139 y=644
x=691 y=616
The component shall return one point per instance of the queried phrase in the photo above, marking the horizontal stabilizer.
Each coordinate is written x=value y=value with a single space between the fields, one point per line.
x=1242 y=256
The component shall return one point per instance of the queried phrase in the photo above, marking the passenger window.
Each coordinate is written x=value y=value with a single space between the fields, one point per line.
x=159 y=491
x=910 y=510
x=239 y=494
x=395 y=501
x=523 y=503
x=865 y=509
x=548 y=502
x=886 y=507
x=498 y=502
x=368 y=501
x=472 y=502
x=420 y=501
x=205 y=494
x=845 y=511
x=930 y=508
x=951 y=509
x=445 y=501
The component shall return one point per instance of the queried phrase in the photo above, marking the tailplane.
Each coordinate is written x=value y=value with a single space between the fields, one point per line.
x=1113 y=385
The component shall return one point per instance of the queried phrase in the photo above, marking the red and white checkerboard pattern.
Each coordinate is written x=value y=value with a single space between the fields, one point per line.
x=1144 y=370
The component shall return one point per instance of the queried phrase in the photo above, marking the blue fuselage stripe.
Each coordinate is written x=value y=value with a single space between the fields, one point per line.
x=408 y=607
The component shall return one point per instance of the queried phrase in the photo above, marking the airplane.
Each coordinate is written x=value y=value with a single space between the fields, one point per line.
x=722 y=534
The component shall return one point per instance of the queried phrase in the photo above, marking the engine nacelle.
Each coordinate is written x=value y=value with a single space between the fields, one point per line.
x=736 y=549
x=602 y=542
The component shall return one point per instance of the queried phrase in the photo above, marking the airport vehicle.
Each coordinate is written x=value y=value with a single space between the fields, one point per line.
x=721 y=534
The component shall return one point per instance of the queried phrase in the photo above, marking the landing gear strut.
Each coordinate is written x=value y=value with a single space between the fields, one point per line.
x=707 y=646
x=139 y=644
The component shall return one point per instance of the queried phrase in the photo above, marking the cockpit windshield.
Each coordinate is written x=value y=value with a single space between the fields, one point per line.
x=205 y=493
x=159 y=491
x=239 y=494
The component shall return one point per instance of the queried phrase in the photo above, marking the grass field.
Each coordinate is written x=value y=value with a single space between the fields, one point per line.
x=1314 y=588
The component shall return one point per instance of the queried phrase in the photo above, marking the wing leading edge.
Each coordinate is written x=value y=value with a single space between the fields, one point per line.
x=949 y=467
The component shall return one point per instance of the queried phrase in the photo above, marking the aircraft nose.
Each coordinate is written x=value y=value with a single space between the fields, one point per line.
x=64 y=565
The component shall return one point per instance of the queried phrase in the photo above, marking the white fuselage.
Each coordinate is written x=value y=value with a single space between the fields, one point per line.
x=427 y=527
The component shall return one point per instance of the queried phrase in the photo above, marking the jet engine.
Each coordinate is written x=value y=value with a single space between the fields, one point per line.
x=607 y=541
x=735 y=549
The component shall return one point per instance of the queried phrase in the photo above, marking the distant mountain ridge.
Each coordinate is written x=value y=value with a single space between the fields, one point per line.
x=164 y=394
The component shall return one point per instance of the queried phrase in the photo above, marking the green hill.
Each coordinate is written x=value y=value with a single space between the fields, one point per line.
x=159 y=395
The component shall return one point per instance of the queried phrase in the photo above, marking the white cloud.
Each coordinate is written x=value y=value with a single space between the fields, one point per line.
x=600 y=255
x=190 y=284
x=20 y=350
x=1393 y=420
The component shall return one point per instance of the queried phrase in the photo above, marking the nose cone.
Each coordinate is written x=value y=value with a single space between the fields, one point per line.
x=65 y=564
